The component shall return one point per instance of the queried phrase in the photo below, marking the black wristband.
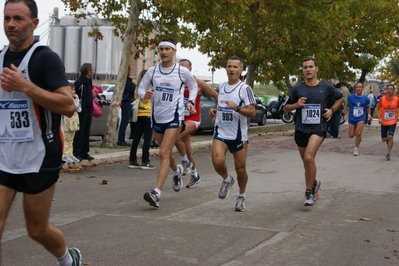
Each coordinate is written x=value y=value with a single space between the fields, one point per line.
x=191 y=103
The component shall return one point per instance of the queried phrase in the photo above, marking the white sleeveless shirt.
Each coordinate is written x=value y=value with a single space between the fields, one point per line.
x=21 y=146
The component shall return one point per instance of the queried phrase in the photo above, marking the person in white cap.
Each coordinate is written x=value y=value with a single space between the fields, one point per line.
x=164 y=85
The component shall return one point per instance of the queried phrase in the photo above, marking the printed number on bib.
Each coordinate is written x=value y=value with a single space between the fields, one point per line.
x=358 y=111
x=311 y=114
x=15 y=123
x=164 y=96
x=225 y=116
x=389 y=114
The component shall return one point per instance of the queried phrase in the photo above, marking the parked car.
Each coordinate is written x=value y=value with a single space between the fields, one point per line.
x=98 y=125
x=260 y=117
x=207 y=102
x=108 y=90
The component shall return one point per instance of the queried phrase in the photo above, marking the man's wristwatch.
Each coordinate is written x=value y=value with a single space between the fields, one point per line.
x=238 y=108
x=333 y=110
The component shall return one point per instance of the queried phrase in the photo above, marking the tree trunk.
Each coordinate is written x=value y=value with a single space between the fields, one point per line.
x=250 y=80
x=112 y=121
x=362 y=78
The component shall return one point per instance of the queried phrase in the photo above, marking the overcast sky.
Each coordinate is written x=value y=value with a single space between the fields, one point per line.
x=45 y=7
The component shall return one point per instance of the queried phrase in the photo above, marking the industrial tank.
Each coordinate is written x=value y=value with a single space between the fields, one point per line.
x=72 y=50
x=68 y=21
x=117 y=47
x=88 y=47
x=88 y=21
x=104 y=53
x=57 y=40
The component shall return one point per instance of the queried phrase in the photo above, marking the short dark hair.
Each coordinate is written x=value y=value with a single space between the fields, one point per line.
x=31 y=4
x=186 y=60
x=140 y=76
x=85 y=68
x=310 y=58
x=234 y=57
x=390 y=85
x=354 y=86
x=169 y=40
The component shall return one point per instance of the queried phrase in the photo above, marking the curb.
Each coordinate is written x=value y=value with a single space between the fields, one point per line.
x=124 y=155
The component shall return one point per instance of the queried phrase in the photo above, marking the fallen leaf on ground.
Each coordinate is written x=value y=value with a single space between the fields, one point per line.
x=104 y=182
x=365 y=219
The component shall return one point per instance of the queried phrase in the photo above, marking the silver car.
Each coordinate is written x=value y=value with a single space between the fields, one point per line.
x=98 y=125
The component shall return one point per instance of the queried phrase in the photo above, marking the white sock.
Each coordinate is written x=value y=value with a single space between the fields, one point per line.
x=228 y=179
x=241 y=195
x=177 y=172
x=194 y=172
x=158 y=191
x=184 y=158
x=65 y=260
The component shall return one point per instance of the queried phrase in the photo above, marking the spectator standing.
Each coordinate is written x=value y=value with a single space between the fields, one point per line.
x=311 y=99
x=357 y=108
x=33 y=78
x=335 y=120
x=387 y=113
x=71 y=125
x=126 y=105
x=236 y=102
x=142 y=129
x=83 y=87
x=373 y=103
x=163 y=84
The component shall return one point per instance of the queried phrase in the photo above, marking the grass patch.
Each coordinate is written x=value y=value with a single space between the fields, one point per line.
x=270 y=129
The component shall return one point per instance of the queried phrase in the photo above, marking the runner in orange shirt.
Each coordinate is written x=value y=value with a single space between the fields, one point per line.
x=387 y=113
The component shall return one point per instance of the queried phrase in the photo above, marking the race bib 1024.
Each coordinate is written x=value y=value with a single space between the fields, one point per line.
x=311 y=114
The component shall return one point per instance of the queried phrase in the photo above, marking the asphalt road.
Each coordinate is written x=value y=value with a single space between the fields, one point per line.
x=355 y=222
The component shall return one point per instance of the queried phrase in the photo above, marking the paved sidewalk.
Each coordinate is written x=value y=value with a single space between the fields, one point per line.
x=355 y=222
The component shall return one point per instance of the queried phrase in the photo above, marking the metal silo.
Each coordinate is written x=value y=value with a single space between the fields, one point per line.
x=57 y=40
x=104 y=52
x=88 y=21
x=72 y=51
x=117 y=47
x=68 y=21
x=88 y=47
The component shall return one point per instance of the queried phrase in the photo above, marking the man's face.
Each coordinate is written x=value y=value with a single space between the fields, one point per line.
x=389 y=90
x=359 y=88
x=233 y=69
x=166 y=53
x=309 y=69
x=18 y=25
x=185 y=64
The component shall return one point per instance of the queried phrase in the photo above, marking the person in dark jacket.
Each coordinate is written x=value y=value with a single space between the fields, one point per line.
x=127 y=99
x=83 y=88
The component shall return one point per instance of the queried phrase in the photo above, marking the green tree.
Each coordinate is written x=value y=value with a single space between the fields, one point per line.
x=272 y=37
x=390 y=69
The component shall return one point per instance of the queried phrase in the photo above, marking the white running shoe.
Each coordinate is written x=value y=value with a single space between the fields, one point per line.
x=74 y=159
x=187 y=166
x=355 y=152
x=177 y=179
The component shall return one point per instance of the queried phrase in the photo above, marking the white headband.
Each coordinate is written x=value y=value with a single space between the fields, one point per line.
x=166 y=43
